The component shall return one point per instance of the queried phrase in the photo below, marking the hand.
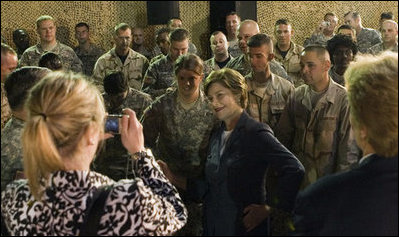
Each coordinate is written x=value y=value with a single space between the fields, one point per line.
x=254 y=214
x=107 y=135
x=131 y=132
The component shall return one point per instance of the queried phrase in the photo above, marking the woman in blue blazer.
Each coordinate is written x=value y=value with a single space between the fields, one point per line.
x=240 y=151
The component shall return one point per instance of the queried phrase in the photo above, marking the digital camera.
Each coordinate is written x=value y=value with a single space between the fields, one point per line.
x=112 y=123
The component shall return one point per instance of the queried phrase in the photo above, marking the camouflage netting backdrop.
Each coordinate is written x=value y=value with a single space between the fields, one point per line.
x=102 y=16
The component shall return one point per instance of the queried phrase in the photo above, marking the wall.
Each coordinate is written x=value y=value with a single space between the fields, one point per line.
x=102 y=16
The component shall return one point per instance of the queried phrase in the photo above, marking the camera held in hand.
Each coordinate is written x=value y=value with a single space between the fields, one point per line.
x=112 y=123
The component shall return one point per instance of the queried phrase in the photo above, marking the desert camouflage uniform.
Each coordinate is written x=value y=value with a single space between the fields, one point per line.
x=70 y=60
x=133 y=69
x=5 y=107
x=180 y=137
x=267 y=107
x=317 y=39
x=11 y=151
x=291 y=62
x=378 y=48
x=114 y=160
x=319 y=136
x=243 y=66
x=367 y=38
x=159 y=77
x=234 y=49
x=89 y=58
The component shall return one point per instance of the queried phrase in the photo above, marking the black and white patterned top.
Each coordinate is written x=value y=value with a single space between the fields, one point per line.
x=148 y=205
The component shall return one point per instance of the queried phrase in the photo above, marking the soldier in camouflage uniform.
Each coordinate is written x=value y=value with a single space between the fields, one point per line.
x=175 y=23
x=324 y=31
x=114 y=160
x=9 y=61
x=138 y=42
x=86 y=51
x=163 y=44
x=342 y=51
x=17 y=86
x=366 y=37
x=160 y=74
x=177 y=127
x=287 y=52
x=389 y=31
x=315 y=122
x=121 y=58
x=221 y=56
x=46 y=30
x=241 y=64
x=232 y=22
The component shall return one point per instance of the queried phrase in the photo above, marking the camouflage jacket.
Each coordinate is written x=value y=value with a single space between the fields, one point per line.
x=159 y=77
x=211 y=65
x=133 y=69
x=336 y=77
x=179 y=136
x=234 y=49
x=291 y=62
x=89 y=58
x=317 y=39
x=378 y=48
x=114 y=160
x=11 y=151
x=243 y=66
x=70 y=60
x=267 y=107
x=319 y=136
x=367 y=38
x=5 y=107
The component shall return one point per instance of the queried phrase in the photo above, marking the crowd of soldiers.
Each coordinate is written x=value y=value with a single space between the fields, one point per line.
x=297 y=90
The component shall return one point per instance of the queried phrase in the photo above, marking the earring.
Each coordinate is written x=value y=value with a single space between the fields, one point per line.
x=91 y=141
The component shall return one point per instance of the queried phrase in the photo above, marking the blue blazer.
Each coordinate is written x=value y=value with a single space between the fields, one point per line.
x=237 y=178
x=362 y=201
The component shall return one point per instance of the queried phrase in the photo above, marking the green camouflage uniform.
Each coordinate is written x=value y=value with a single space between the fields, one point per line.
x=159 y=77
x=378 y=48
x=243 y=66
x=291 y=62
x=89 y=58
x=317 y=39
x=133 y=69
x=336 y=77
x=5 y=107
x=210 y=65
x=367 y=38
x=114 y=160
x=70 y=60
x=234 y=49
x=319 y=137
x=180 y=138
x=11 y=151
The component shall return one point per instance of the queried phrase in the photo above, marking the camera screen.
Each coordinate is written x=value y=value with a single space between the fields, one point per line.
x=112 y=124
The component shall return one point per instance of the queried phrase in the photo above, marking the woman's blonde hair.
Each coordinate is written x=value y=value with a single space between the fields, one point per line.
x=372 y=84
x=61 y=107
x=230 y=79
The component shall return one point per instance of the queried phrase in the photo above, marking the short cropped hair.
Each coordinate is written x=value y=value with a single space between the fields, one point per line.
x=387 y=16
x=115 y=83
x=321 y=51
x=355 y=15
x=230 y=79
x=260 y=39
x=283 y=22
x=233 y=13
x=372 y=83
x=189 y=62
x=81 y=24
x=341 y=40
x=51 y=61
x=43 y=18
x=121 y=26
x=178 y=35
x=330 y=14
x=19 y=82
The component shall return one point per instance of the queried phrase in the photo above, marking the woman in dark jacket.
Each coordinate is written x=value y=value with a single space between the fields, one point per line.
x=240 y=151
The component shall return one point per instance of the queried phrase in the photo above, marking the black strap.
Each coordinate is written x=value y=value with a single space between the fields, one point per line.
x=94 y=212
